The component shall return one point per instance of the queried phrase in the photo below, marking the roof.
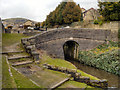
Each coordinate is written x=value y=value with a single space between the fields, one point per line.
x=89 y=10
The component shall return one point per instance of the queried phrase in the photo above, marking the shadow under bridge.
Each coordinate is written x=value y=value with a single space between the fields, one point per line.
x=71 y=49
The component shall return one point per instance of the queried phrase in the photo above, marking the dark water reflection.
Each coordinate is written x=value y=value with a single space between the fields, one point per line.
x=113 y=80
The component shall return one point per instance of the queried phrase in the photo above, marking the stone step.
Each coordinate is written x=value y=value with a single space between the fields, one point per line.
x=22 y=63
x=7 y=52
x=14 y=58
x=60 y=83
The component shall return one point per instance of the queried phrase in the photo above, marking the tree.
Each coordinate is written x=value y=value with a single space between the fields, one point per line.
x=43 y=24
x=71 y=13
x=110 y=10
x=65 y=13
x=37 y=24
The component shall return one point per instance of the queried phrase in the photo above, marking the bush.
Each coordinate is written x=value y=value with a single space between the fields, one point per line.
x=96 y=22
x=101 y=22
x=108 y=61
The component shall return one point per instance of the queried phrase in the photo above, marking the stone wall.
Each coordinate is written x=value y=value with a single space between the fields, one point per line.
x=30 y=32
x=92 y=34
x=55 y=47
x=113 y=26
x=29 y=46
x=53 y=41
x=78 y=77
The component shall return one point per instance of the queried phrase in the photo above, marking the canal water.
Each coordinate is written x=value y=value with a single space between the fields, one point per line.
x=113 y=80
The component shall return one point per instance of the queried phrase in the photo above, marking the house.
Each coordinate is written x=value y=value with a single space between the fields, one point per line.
x=29 y=23
x=83 y=10
x=90 y=14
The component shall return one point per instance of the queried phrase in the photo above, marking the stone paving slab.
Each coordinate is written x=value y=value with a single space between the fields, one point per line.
x=19 y=57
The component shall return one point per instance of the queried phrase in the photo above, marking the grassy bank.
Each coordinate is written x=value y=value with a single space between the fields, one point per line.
x=57 y=62
x=64 y=63
x=74 y=84
x=104 y=57
x=10 y=39
x=7 y=80
x=22 y=81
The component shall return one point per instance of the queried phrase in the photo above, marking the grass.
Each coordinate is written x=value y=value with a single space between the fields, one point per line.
x=7 y=80
x=57 y=62
x=77 y=85
x=87 y=75
x=22 y=81
x=66 y=64
x=10 y=39
x=73 y=84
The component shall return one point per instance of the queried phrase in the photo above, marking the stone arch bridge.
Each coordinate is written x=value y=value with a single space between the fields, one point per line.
x=58 y=42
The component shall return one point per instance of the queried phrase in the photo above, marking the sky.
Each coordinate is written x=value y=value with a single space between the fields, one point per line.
x=36 y=10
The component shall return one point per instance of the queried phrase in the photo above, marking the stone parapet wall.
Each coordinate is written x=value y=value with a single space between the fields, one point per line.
x=92 y=34
x=113 y=26
x=29 y=46
x=53 y=41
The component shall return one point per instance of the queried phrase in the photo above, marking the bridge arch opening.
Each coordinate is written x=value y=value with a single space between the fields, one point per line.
x=71 y=49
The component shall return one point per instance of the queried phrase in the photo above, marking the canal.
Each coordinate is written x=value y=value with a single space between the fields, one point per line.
x=113 y=80
x=71 y=48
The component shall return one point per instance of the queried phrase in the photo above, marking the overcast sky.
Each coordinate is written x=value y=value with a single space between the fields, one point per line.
x=35 y=9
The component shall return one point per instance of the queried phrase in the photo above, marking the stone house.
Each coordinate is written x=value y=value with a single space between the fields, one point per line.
x=83 y=10
x=29 y=23
x=90 y=14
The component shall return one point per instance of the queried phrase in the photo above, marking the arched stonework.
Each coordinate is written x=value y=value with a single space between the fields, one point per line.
x=52 y=41
x=71 y=49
